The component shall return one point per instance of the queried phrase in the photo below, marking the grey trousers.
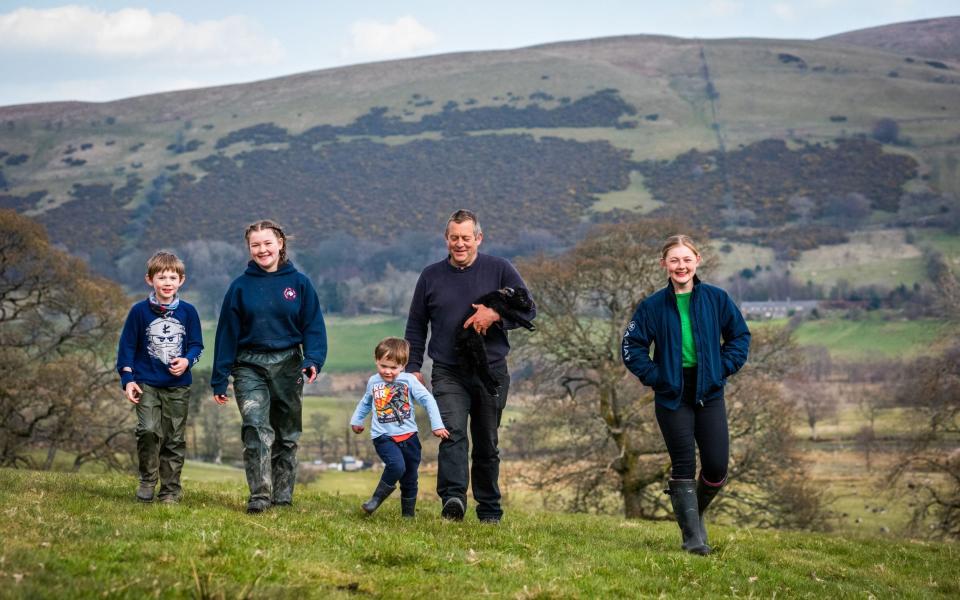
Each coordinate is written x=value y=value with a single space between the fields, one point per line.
x=161 y=422
x=269 y=390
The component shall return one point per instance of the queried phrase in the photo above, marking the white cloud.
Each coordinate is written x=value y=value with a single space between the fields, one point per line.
x=137 y=34
x=784 y=11
x=372 y=39
x=722 y=8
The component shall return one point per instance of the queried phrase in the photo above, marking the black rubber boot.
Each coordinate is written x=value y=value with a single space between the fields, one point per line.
x=705 y=495
x=379 y=495
x=408 y=507
x=683 y=497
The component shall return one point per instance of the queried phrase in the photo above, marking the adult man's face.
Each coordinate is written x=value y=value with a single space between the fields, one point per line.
x=462 y=243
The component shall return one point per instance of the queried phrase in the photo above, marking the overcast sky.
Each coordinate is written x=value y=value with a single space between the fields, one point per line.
x=100 y=50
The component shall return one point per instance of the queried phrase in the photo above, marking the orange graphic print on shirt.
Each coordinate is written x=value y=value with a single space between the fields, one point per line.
x=391 y=401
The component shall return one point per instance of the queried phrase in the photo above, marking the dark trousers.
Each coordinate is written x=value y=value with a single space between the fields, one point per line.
x=400 y=462
x=269 y=390
x=161 y=422
x=464 y=403
x=693 y=426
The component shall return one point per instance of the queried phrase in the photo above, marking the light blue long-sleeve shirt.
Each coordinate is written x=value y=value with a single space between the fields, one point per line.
x=392 y=407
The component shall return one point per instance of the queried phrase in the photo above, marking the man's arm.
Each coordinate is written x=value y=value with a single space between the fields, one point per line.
x=418 y=321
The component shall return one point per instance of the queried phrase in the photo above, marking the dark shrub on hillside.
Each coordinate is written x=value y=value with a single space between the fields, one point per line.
x=838 y=118
x=17 y=159
x=936 y=64
x=885 y=131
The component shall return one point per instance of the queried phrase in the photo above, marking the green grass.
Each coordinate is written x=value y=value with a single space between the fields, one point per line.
x=872 y=337
x=81 y=536
x=350 y=341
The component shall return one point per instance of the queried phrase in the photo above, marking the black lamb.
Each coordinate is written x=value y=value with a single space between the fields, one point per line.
x=470 y=347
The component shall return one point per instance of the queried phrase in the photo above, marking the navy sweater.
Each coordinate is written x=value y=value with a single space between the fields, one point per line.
x=720 y=334
x=266 y=312
x=442 y=300
x=151 y=339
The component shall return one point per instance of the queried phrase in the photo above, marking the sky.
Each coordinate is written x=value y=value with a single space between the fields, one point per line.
x=100 y=50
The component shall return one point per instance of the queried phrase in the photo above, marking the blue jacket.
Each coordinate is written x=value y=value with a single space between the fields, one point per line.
x=721 y=336
x=153 y=337
x=392 y=407
x=267 y=312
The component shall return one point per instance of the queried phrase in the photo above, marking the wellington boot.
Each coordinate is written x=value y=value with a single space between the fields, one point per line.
x=379 y=495
x=408 y=507
x=705 y=495
x=683 y=497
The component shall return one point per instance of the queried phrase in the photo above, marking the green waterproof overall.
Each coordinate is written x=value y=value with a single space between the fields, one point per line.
x=269 y=390
x=161 y=422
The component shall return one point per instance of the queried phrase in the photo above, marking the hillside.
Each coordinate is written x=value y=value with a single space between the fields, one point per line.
x=80 y=536
x=927 y=38
x=769 y=142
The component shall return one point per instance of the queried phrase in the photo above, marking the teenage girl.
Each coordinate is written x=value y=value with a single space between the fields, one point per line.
x=271 y=338
x=699 y=339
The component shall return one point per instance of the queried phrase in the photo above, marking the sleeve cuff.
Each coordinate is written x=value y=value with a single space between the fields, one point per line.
x=125 y=378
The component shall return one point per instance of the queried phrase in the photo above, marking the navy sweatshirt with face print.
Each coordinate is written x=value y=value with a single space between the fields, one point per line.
x=266 y=312
x=153 y=336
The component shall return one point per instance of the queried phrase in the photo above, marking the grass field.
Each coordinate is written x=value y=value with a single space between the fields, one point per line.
x=350 y=341
x=81 y=536
x=873 y=337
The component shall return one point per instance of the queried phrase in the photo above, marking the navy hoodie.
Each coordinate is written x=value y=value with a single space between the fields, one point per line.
x=267 y=312
x=720 y=334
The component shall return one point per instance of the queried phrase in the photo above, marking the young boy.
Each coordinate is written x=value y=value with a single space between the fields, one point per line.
x=393 y=426
x=161 y=340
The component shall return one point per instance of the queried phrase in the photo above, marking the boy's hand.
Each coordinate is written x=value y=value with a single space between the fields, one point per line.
x=133 y=392
x=357 y=428
x=441 y=433
x=178 y=366
x=220 y=398
x=309 y=374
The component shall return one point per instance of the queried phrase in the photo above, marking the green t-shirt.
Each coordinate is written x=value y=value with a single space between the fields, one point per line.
x=689 y=351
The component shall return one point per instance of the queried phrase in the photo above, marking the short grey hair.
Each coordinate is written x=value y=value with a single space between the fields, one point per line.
x=462 y=216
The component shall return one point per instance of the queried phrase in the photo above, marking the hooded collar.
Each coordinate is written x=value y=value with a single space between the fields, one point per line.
x=284 y=268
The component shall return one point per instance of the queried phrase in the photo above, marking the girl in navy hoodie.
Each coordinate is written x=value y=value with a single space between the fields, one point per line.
x=699 y=339
x=270 y=337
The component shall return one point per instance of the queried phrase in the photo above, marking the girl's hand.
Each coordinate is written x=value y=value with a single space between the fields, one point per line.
x=357 y=428
x=441 y=433
x=133 y=392
x=178 y=366
x=220 y=398
x=310 y=374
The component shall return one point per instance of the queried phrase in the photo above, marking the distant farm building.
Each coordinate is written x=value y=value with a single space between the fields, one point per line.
x=777 y=309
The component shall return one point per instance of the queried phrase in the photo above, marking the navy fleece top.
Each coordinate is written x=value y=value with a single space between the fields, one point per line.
x=266 y=312
x=152 y=337
x=442 y=300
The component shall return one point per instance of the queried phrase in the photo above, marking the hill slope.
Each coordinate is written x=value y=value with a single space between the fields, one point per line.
x=928 y=38
x=535 y=138
x=84 y=536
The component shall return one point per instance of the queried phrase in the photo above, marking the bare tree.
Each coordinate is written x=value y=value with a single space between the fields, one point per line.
x=58 y=328
x=807 y=386
x=931 y=466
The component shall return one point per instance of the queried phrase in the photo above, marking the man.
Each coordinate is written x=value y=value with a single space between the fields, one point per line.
x=444 y=297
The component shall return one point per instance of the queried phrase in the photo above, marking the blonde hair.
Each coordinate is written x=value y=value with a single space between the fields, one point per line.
x=277 y=230
x=165 y=261
x=678 y=240
x=393 y=348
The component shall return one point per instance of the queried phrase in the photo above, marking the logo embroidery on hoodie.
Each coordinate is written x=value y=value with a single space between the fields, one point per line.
x=289 y=294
